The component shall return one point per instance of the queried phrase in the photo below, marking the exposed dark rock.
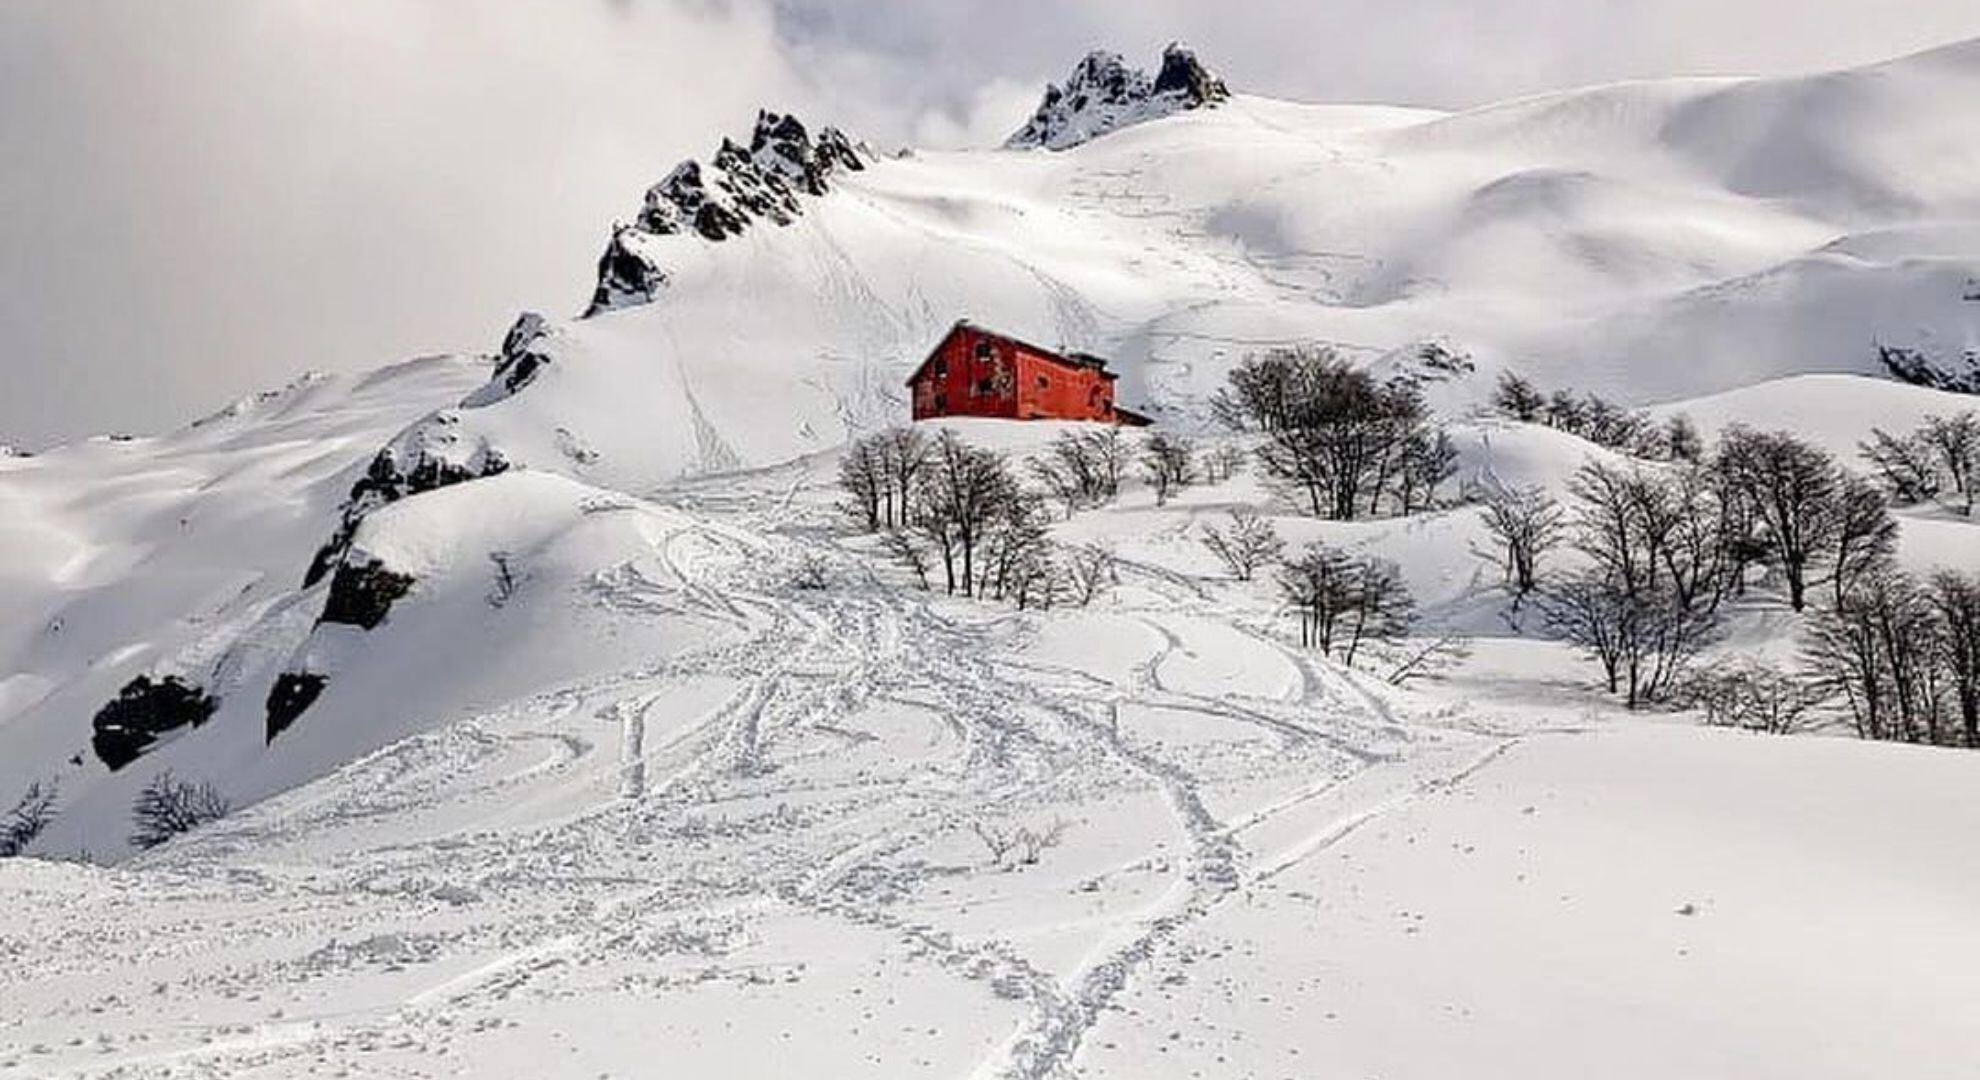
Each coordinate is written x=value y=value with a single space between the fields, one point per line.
x=1184 y=75
x=739 y=187
x=625 y=277
x=145 y=710
x=421 y=459
x=361 y=594
x=1104 y=94
x=1913 y=366
x=291 y=696
x=522 y=353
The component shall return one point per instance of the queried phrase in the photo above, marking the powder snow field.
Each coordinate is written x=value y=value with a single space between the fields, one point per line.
x=751 y=855
x=651 y=806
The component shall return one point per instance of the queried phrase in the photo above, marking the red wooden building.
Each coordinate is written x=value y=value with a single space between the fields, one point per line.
x=977 y=372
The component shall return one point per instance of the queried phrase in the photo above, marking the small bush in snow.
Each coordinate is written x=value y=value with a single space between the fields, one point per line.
x=1753 y=696
x=1247 y=545
x=1012 y=846
x=30 y=815
x=810 y=573
x=169 y=806
x=507 y=580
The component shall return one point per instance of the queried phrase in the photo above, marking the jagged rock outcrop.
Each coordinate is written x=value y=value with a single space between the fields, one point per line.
x=1104 y=94
x=145 y=710
x=525 y=353
x=737 y=188
x=431 y=454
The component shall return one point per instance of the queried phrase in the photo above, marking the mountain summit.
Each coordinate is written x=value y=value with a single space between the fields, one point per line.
x=1103 y=94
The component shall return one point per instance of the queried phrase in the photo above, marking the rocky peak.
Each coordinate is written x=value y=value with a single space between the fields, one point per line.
x=1104 y=94
x=1184 y=75
x=737 y=188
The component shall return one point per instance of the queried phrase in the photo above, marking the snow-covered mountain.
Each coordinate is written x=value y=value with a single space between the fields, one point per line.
x=510 y=653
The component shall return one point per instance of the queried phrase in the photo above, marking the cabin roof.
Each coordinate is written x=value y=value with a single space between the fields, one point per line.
x=1074 y=360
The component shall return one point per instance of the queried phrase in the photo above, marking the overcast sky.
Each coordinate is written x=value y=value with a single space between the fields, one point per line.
x=205 y=198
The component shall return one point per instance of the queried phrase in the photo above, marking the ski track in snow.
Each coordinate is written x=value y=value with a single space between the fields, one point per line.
x=606 y=822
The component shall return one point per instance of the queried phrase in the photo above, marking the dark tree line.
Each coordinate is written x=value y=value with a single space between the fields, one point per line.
x=1937 y=462
x=949 y=509
x=1660 y=548
x=1344 y=445
x=1598 y=420
x=1903 y=656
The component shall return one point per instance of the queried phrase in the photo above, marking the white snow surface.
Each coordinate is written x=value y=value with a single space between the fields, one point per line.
x=650 y=807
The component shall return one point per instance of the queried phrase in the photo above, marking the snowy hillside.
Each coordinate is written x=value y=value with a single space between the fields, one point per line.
x=569 y=728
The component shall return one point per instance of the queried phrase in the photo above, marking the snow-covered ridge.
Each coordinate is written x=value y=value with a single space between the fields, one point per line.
x=1104 y=94
x=737 y=188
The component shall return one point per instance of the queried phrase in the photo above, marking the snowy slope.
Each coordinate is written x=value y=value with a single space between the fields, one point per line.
x=563 y=745
x=756 y=843
x=1654 y=241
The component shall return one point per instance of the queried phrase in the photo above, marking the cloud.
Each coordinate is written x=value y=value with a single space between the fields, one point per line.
x=205 y=197
x=209 y=197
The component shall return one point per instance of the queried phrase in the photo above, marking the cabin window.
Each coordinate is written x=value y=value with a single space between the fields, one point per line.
x=985 y=387
x=942 y=368
x=983 y=350
x=1043 y=382
x=941 y=403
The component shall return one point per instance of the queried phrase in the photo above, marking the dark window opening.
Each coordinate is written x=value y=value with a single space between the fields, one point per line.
x=983 y=350
x=985 y=387
x=1043 y=382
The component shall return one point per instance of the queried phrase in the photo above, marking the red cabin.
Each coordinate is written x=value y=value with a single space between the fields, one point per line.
x=975 y=372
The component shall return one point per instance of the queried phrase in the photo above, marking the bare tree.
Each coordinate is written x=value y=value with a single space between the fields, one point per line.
x=1429 y=460
x=1518 y=398
x=1904 y=465
x=1793 y=489
x=904 y=454
x=1089 y=572
x=1082 y=469
x=878 y=474
x=864 y=477
x=1526 y=522
x=1955 y=445
x=1864 y=535
x=958 y=496
x=1754 y=696
x=1247 y=545
x=1647 y=601
x=1169 y=462
x=1222 y=461
x=908 y=550
x=169 y=806
x=1681 y=441
x=1879 y=651
x=1342 y=442
x=30 y=816
x=1955 y=597
x=1343 y=601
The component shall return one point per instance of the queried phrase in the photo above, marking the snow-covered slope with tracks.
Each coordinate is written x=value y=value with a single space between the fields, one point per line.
x=554 y=758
